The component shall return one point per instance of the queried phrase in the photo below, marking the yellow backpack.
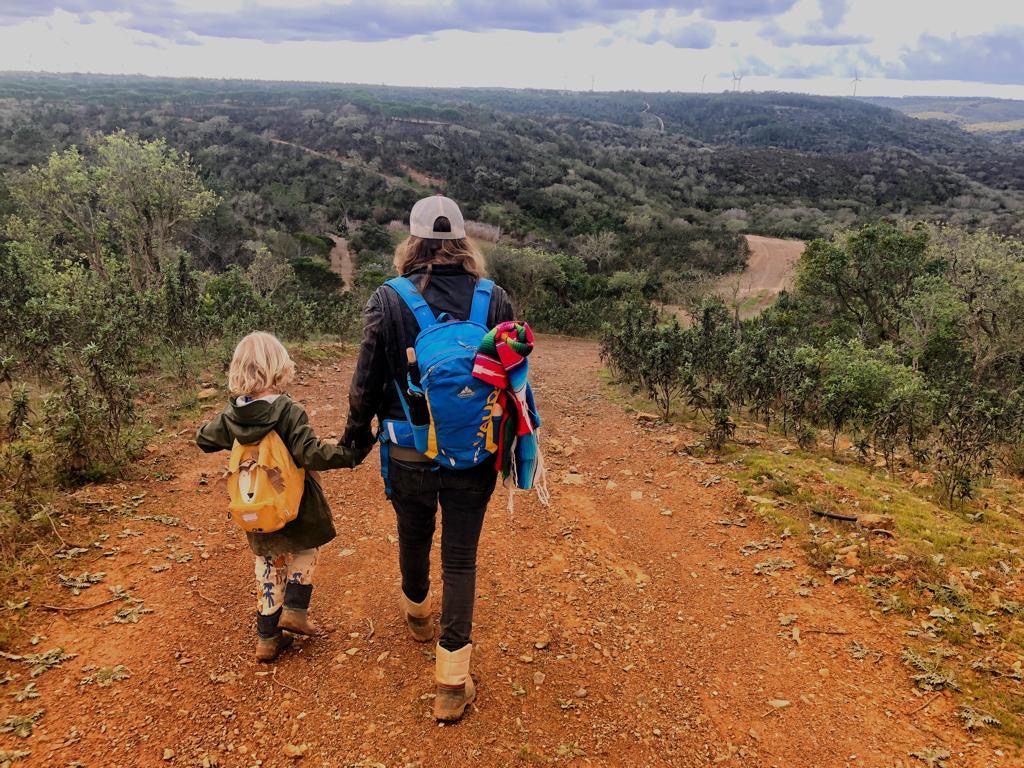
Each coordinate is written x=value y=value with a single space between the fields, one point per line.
x=264 y=485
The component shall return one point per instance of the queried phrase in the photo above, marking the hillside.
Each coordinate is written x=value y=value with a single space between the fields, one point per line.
x=543 y=165
x=784 y=532
x=996 y=118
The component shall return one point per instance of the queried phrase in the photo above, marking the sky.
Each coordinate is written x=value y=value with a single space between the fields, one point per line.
x=892 y=47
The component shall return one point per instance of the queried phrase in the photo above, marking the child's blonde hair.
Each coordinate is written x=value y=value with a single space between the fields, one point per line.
x=260 y=363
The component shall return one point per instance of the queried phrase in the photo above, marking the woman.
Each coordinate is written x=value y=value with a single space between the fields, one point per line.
x=445 y=268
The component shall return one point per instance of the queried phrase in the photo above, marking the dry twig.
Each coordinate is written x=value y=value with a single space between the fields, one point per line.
x=834 y=516
x=283 y=684
x=925 y=705
x=824 y=632
x=73 y=608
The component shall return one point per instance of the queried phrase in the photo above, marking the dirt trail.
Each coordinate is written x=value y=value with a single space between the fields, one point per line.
x=341 y=261
x=647 y=111
x=659 y=645
x=769 y=272
x=334 y=157
x=426 y=180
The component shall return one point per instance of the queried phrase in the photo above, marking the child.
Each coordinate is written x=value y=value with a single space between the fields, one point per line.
x=260 y=371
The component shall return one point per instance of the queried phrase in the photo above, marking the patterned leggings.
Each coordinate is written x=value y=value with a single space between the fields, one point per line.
x=274 y=572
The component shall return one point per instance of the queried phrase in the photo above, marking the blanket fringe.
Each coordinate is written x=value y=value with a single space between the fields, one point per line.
x=540 y=481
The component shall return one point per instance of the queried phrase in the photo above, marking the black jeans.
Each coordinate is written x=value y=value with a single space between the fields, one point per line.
x=416 y=489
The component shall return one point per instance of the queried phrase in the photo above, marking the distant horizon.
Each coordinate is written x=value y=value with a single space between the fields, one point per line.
x=286 y=81
x=873 y=48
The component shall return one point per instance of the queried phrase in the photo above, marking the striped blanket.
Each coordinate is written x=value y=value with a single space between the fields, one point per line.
x=502 y=361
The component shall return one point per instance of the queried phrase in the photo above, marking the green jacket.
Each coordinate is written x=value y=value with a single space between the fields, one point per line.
x=248 y=424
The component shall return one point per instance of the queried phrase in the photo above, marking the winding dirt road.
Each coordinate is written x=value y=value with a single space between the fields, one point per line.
x=621 y=626
x=769 y=271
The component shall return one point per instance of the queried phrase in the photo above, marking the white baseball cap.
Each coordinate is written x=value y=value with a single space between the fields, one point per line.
x=427 y=211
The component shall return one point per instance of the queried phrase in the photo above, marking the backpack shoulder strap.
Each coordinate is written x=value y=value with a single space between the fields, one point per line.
x=408 y=292
x=481 y=301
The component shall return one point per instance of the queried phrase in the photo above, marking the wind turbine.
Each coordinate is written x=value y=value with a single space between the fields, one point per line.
x=702 y=79
x=856 y=79
x=737 y=81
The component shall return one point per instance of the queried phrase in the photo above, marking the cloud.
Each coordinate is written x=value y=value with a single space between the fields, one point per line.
x=843 y=64
x=996 y=57
x=375 y=20
x=751 y=65
x=833 y=12
x=816 y=36
x=698 y=35
x=741 y=10
x=15 y=9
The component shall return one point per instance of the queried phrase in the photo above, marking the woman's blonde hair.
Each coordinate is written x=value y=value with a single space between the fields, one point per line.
x=415 y=252
x=260 y=363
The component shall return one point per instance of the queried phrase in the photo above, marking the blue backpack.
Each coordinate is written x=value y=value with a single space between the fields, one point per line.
x=461 y=432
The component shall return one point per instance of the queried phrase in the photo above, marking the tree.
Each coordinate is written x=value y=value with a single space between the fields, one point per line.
x=600 y=251
x=968 y=428
x=268 y=272
x=182 y=304
x=986 y=273
x=863 y=279
x=151 y=193
x=59 y=210
x=131 y=201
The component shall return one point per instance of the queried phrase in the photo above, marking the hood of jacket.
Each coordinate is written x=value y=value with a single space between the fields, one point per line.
x=250 y=423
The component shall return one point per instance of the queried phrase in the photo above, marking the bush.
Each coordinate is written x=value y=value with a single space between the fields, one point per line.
x=89 y=416
x=661 y=364
x=371 y=239
x=554 y=291
x=963 y=452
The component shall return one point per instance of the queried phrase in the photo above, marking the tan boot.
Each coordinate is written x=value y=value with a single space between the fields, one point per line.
x=297 y=621
x=269 y=648
x=418 y=618
x=455 y=688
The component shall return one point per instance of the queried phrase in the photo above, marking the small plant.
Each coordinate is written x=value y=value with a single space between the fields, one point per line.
x=21 y=725
x=19 y=412
x=106 y=676
x=974 y=720
x=721 y=427
x=40 y=662
x=933 y=757
x=930 y=676
x=84 y=580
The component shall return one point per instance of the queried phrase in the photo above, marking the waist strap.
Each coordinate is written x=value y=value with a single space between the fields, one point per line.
x=402 y=453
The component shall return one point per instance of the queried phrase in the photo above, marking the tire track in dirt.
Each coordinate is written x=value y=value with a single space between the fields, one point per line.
x=608 y=631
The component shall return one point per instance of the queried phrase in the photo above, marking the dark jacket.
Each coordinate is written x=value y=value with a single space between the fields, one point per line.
x=389 y=327
x=248 y=424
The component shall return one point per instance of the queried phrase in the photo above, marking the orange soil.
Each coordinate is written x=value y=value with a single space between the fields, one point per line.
x=660 y=646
